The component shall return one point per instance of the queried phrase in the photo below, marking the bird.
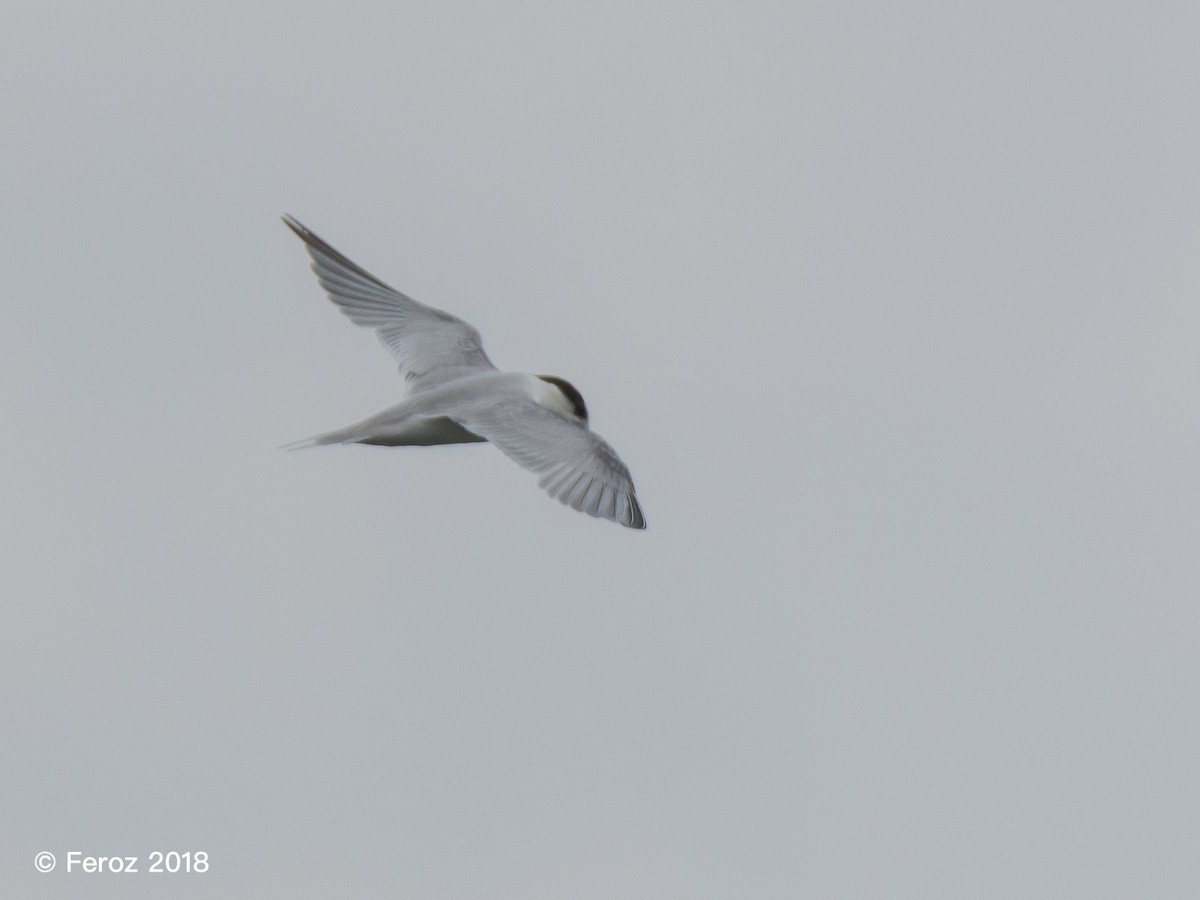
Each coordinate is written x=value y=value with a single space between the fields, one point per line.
x=454 y=395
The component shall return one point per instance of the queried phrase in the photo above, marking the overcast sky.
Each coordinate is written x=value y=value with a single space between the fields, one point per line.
x=890 y=309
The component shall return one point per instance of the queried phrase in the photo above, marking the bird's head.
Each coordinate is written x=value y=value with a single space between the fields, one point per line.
x=562 y=397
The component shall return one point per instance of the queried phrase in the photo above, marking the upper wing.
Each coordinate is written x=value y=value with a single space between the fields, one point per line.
x=425 y=341
x=573 y=464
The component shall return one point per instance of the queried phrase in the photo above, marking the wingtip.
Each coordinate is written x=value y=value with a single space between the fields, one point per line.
x=294 y=224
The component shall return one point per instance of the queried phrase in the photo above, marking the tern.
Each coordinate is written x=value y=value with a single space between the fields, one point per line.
x=454 y=395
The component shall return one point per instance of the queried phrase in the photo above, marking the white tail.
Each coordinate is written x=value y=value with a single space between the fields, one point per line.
x=341 y=436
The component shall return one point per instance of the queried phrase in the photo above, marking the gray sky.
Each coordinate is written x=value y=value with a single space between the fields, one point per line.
x=891 y=311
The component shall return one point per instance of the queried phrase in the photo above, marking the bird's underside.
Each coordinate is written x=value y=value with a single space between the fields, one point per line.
x=425 y=433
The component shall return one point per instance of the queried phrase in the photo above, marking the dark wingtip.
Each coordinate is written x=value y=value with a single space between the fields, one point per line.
x=294 y=225
x=317 y=244
x=637 y=517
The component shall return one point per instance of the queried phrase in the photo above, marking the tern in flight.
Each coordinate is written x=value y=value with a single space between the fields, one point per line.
x=456 y=396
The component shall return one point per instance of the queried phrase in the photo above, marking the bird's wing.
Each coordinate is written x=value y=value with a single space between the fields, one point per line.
x=430 y=345
x=573 y=464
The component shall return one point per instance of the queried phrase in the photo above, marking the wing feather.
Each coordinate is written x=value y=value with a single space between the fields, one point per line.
x=430 y=345
x=573 y=464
